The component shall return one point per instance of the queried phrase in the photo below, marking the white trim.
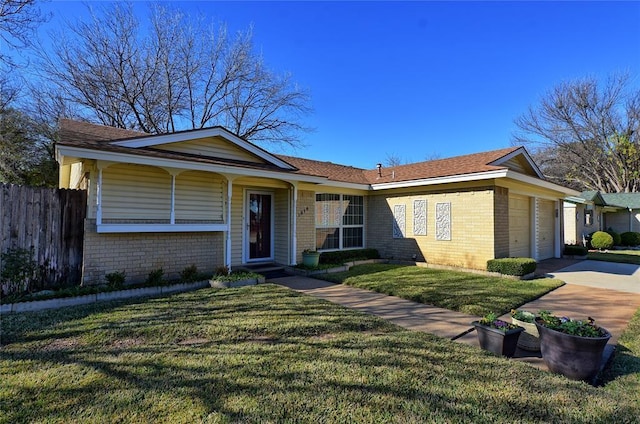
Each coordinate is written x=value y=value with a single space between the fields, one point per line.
x=79 y=152
x=487 y=175
x=342 y=184
x=99 y=197
x=247 y=226
x=172 y=214
x=160 y=228
x=541 y=183
x=228 y=238
x=558 y=229
x=154 y=140
x=520 y=151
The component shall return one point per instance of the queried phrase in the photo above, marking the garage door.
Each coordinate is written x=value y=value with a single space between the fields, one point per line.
x=546 y=229
x=519 y=226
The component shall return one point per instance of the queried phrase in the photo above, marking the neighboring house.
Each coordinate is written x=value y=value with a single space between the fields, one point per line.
x=594 y=211
x=583 y=215
x=209 y=198
x=626 y=216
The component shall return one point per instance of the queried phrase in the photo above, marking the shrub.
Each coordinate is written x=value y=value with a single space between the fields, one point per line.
x=221 y=270
x=115 y=280
x=630 y=238
x=571 y=249
x=512 y=266
x=189 y=274
x=615 y=236
x=18 y=270
x=342 y=256
x=155 y=277
x=601 y=240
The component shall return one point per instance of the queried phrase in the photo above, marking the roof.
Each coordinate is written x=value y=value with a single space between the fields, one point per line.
x=593 y=196
x=458 y=165
x=626 y=200
x=104 y=138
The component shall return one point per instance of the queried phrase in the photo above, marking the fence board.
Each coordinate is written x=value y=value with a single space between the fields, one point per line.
x=52 y=222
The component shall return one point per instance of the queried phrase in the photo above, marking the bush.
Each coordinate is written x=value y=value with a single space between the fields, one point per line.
x=115 y=280
x=18 y=270
x=571 y=249
x=512 y=266
x=630 y=238
x=615 y=236
x=601 y=240
x=155 y=277
x=189 y=274
x=342 y=256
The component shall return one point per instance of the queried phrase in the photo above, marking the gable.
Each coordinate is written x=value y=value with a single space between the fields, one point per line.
x=521 y=165
x=213 y=147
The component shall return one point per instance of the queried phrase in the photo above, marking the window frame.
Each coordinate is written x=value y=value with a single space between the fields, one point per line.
x=341 y=226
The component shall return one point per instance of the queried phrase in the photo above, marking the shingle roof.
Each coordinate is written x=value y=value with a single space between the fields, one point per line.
x=458 y=165
x=92 y=136
x=626 y=200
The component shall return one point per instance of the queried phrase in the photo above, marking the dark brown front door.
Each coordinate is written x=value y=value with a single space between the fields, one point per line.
x=260 y=226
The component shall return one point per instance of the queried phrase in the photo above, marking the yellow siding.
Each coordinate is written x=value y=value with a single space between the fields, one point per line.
x=519 y=164
x=214 y=147
x=519 y=226
x=136 y=192
x=281 y=224
x=199 y=196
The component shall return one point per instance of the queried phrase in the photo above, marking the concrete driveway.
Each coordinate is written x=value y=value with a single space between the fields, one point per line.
x=603 y=275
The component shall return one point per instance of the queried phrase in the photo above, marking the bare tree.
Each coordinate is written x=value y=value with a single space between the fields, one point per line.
x=182 y=74
x=393 y=159
x=587 y=135
x=18 y=19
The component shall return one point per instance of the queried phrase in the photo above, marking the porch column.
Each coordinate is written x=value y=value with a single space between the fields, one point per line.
x=99 y=197
x=172 y=215
x=228 y=238
x=294 y=223
x=559 y=229
x=533 y=228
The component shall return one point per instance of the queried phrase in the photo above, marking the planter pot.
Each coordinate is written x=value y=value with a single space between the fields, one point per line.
x=578 y=358
x=310 y=259
x=496 y=341
x=529 y=339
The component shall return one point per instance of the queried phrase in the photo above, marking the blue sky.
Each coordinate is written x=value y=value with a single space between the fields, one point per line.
x=423 y=79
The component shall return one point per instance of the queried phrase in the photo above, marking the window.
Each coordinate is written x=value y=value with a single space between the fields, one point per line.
x=588 y=218
x=339 y=221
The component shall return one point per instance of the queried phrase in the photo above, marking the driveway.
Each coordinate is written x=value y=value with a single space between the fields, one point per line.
x=603 y=275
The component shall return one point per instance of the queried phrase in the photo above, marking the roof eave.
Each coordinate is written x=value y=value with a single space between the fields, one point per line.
x=541 y=183
x=66 y=151
x=477 y=176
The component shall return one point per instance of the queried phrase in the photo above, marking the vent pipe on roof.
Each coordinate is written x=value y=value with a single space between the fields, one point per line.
x=379 y=166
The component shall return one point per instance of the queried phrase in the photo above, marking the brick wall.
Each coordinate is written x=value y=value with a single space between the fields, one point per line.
x=140 y=253
x=472 y=223
x=501 y=222
x=306 y=222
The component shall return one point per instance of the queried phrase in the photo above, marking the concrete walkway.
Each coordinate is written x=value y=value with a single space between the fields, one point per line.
x=612 y=309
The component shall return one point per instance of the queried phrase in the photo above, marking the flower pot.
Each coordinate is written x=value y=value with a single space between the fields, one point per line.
x=310 y=259
x=497 y=341
x=576 y=357
x=529 y=339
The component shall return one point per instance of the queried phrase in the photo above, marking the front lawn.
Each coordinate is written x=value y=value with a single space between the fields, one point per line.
x=268 y=354
x=465 y=292
x=620 y=256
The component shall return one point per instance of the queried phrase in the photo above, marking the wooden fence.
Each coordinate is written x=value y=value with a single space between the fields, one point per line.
x=51 y=221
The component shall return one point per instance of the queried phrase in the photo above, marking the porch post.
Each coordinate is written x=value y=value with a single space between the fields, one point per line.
x=172 y=215
x=294 y=223
x=559 y=229
x=99 y=196
x=228 y=239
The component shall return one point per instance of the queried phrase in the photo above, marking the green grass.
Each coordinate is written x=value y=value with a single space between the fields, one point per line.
x=623 y=374
x=620 y=256
x=465 y=292
x=268 y=354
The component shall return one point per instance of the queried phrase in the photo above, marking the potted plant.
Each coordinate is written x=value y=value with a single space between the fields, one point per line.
x=310 y=258
x=497 y=336
x=570 y=347
x=529 y=339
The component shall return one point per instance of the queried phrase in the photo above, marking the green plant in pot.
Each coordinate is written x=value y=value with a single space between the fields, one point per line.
x=497 y=336
x=529 y=339
x=571 y=347
x=310 y=258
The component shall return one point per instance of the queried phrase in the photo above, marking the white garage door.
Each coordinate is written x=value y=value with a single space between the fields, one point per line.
x=519 y=226
x=546 y=229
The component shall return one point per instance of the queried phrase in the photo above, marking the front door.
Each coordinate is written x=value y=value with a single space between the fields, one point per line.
x=260 y=226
